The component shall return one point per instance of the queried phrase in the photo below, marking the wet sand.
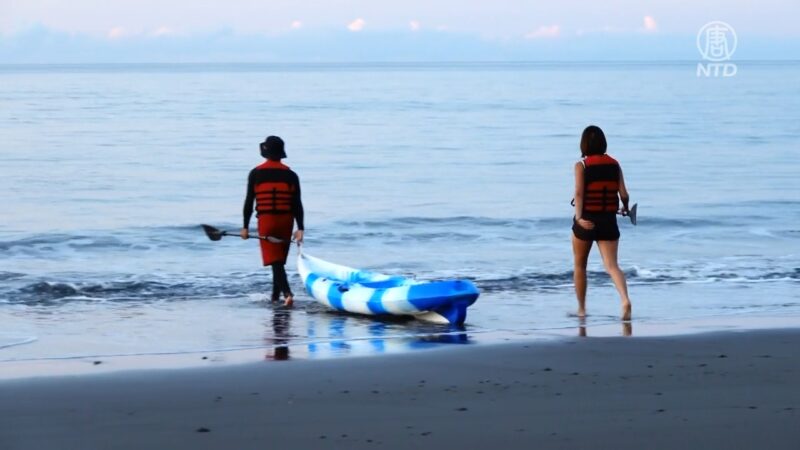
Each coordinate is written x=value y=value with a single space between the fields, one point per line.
x=713 y=391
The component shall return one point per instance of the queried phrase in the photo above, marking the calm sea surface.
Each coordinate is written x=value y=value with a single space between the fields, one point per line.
x=432 y=171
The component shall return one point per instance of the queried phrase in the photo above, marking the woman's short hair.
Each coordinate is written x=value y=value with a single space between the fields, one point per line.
x=593 y=141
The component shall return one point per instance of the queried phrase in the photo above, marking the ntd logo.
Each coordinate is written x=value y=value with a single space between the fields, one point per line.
x=716 y=42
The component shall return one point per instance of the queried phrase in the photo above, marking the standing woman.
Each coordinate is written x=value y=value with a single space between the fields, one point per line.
x=599 y=186
x=275 y=189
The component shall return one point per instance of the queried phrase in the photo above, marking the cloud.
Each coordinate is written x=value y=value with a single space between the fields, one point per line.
x=162 y=31
x=356 y=25
x=38 y=44
x=116 y=33
x=414 y=25
x=296 y=25
x=649 y=24
x=545 y=31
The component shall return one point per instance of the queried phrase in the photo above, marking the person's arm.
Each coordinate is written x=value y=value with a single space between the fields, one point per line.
x=297 y=211
x=623 y=193
x=247 y=211
x=579 y=184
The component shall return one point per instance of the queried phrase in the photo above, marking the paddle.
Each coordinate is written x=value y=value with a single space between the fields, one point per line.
x=215 y=234
x=632 y=213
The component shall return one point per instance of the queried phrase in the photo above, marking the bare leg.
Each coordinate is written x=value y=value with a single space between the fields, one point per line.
x=608 y=250
x=580 y=250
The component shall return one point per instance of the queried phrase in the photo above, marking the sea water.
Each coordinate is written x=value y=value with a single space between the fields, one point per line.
x=431 y=171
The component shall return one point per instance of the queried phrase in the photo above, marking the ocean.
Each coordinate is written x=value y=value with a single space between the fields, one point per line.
x=425 y=170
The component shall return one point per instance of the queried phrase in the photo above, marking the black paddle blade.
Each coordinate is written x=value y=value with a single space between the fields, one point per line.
x=632 y=213
x=212 y=233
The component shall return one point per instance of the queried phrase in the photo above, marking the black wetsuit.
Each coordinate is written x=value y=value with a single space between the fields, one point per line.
x=275 y=191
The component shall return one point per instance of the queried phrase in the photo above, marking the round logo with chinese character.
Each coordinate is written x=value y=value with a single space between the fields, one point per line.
x=716 y=41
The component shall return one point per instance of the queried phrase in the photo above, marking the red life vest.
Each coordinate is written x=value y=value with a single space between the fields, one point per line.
x=274 y=196
x=601 y=184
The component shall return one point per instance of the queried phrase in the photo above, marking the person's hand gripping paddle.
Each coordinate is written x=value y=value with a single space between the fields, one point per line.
x=631 y=213
x=216 y=234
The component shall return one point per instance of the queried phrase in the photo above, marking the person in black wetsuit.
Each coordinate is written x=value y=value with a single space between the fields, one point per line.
x=599 y=185
x=275 y=190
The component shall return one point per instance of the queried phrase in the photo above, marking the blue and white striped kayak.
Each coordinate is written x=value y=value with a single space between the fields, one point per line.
x=363 y=292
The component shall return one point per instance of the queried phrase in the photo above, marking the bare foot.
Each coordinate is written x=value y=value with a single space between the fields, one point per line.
x=289 y=301
x=626 y=311
x=581 y=313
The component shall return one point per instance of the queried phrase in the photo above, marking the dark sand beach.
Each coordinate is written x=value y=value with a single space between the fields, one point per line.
x=722 y=390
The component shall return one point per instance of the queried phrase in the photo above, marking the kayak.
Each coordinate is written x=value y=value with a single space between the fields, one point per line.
x=364 y=292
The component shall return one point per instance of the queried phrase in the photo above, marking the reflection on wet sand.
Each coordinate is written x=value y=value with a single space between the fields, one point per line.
x=281 y=324
x=345 y=335
x=627 y=327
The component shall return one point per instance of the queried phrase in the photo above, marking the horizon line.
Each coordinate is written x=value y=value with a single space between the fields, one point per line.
x=394 y=62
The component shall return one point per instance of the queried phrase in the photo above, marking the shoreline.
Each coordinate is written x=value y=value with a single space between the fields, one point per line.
x=364 y=346
x=726 y=389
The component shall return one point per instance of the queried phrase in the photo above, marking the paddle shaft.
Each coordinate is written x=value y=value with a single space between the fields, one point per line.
x=272 y=239
x=630 y=213
x=216 y=234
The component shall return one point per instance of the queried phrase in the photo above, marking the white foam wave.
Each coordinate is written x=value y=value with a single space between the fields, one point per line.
x=14 y=341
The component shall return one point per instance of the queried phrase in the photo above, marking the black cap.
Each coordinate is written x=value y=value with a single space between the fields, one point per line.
x=272 y=148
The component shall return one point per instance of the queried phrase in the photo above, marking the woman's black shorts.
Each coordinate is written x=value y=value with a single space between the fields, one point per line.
x=605 y=228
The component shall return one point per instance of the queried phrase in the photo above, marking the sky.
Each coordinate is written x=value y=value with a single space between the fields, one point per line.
x=55 y=31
